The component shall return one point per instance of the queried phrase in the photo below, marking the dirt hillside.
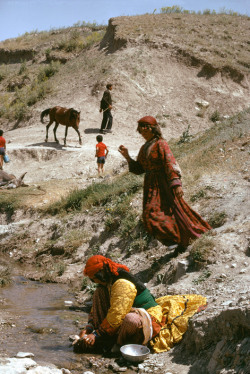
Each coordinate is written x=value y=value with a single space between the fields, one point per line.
x=191 y=74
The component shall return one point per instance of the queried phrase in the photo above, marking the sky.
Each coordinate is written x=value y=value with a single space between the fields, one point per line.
x=20 y=16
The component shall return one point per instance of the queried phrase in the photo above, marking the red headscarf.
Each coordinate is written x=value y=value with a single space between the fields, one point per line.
x=97 y=262
x=148 y=120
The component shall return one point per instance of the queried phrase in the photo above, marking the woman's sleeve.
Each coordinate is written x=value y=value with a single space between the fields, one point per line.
x=171 y=167
x=122 y=296
x=135 y=167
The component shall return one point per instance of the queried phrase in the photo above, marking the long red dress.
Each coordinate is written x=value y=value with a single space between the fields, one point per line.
x=167 y=218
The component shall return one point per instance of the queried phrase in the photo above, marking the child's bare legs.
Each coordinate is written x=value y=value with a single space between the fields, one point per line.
x=99 y=168
x=1 y=162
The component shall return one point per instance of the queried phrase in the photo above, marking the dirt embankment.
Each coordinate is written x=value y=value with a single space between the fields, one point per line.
x=152 y=75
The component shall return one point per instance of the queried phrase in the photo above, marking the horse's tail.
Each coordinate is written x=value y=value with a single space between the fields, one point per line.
x=45 y=113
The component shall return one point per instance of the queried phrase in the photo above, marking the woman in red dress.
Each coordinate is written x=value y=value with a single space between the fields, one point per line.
x=166 y=215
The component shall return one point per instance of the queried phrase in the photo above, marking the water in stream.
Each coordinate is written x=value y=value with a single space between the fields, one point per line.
x=42 y=321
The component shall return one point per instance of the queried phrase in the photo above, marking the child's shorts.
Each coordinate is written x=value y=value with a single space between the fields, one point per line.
x=2 y=151
x=101 y=160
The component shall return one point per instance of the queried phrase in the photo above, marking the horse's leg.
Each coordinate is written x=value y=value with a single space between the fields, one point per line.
x=47 y=130
x=55 y=128
x=78 y=132
x=66 y=133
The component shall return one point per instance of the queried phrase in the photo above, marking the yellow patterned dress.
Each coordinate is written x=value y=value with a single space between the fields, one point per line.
x=169 y=318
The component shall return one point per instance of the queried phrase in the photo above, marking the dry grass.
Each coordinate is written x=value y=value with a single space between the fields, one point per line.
x=27 y=82
x=201 y=250
x=37 y=40
x=204 y=153
x=5 y=275
x=212 y=41
x=219 y=39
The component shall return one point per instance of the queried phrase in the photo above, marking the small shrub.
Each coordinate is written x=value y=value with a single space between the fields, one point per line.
x=201 y=250
x=172 y=9
x=61 y=267
x=8 y=208
x=95 y=37
x=185 y=137
x=215 y=116
x=23 y=68
x=48 y=71
x=19 y=111
x=138 y=245
x=217 y=219
x=128 y=224
x=112 y=223
x=5 y=276
x=198 y=195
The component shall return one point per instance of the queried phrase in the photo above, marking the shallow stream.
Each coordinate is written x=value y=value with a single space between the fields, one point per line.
x=41 y=322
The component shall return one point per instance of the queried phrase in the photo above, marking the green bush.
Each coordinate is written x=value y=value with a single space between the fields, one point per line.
x=23 y=68
x=48 y=71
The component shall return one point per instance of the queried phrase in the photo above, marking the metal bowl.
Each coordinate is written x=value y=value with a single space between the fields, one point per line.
x=134 y=352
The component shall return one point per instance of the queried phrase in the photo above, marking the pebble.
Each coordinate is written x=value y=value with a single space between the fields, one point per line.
x=68 y=302
x=233 y=265
x=242 y=271
x=227 y=303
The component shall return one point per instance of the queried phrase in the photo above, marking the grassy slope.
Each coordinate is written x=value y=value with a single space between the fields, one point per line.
x=215 y=41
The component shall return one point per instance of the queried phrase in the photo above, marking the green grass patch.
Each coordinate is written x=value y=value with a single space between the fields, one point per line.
x=98 y=194
x=18 y=198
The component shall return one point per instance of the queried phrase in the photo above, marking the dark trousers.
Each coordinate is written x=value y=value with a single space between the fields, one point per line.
x=107 y=120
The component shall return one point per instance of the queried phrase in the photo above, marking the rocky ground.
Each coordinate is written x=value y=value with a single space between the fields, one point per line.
x=217 y=340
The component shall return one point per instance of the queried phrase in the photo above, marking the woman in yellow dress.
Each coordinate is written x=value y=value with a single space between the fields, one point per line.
x=125 y=312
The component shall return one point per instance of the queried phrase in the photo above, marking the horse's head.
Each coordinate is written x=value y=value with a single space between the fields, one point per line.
x=74 y=117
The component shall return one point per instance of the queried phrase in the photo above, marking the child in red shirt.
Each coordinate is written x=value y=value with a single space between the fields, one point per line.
x=101 y=154
x=2 y=148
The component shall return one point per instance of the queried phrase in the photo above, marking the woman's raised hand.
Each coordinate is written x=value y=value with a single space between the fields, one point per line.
x=124 y=151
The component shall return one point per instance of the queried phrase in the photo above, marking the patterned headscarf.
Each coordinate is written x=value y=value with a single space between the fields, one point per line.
x=149 y=120
x=97 y=262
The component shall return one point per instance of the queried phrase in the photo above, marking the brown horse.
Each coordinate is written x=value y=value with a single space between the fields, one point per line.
x=67 y=117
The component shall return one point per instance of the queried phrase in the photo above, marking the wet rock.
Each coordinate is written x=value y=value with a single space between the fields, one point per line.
x=24 y=354
x=16 y=365
x=66 y=371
